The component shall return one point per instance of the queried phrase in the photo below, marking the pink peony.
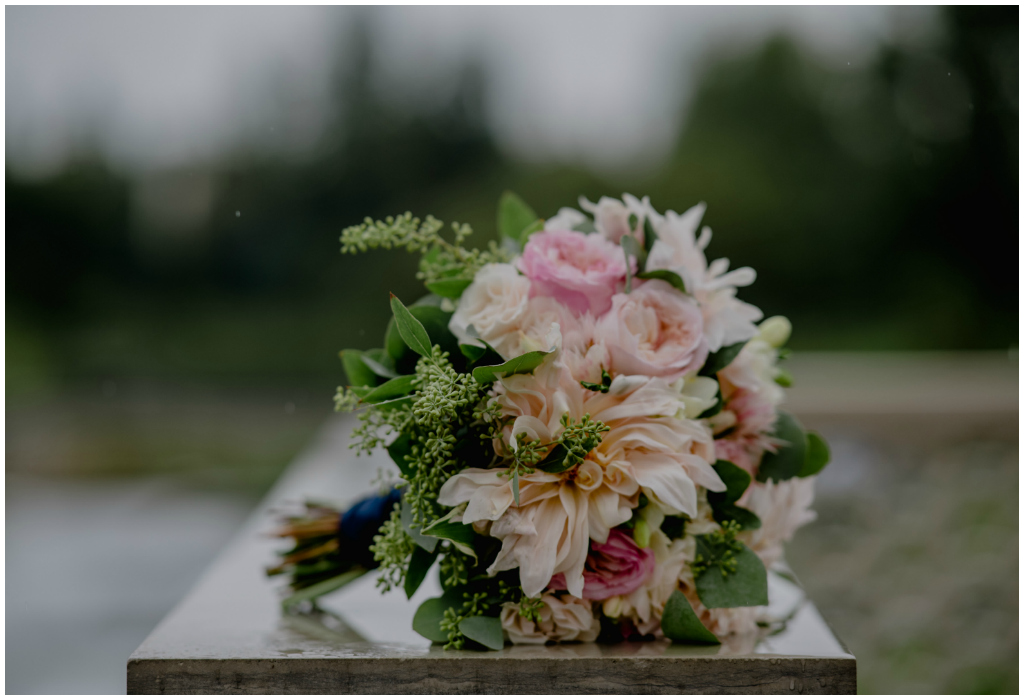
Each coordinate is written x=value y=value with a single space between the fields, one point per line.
x=617 y=567
x=582 y=271
x=655 y=331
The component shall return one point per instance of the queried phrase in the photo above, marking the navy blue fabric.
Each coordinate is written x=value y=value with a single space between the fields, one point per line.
x=360 y=523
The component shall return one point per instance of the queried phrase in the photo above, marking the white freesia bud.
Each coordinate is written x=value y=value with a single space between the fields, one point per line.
x=775 y=331
x=613 y=606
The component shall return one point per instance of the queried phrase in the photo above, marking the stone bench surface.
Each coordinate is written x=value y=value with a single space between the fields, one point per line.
x=229 y=635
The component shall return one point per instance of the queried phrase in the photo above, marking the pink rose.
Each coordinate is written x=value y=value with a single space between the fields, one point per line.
x=655 y=331
x=617 y=567
x=581 y=271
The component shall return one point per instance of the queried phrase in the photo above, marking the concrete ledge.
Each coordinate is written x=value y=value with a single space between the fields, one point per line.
x=229 y=636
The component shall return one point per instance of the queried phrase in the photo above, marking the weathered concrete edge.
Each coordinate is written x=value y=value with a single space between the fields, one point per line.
x=645 y=675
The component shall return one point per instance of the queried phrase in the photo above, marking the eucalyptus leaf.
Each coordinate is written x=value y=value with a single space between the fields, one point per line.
x=391 y=389
x=453 y=532
x=411 y=330
x=449 y=288
x=630 y=248
x=427 y=620
x=746 y=519
x=357 y=371
x=472 y=352
x=533 y=228
x=720 y=359
x=650 y=235
x=745 y=587
x=680 y=623
x=736 y=481
x=517 y=365
x=817 y=455
x=435 y=321
x=398 y=450
x=426 y=542
x=514 y=215
x=554 y=463
x=484 y=630
x=788 y=460
x=379 y=368
x=665 y=276
x=419 y=564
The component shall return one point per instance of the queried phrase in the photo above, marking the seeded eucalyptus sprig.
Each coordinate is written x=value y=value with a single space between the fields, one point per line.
x=446 y=268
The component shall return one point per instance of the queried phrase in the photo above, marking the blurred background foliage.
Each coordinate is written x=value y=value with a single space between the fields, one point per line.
x=878 y=205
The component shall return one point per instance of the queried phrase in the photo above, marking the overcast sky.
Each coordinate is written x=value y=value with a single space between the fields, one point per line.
x=158 y=86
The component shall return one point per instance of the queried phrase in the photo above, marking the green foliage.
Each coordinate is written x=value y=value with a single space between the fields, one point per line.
x=680 y=623
x=358 y=373
x=392 y=547
x=522 y=364
x=483 y=630
x=603 y=386
x=515 y=217
x=666 y=276
x=391 y=389
x=817 y=455
x=410 y=328
x=435 y=322
x=728 y=574
x=632 y=249
x=720 y=359
x=419 y=564
x=788 y=460
x=723 y=504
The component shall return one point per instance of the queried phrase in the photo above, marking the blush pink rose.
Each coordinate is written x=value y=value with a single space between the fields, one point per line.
x=617 y=567
x=581 y=271
x=656 y=331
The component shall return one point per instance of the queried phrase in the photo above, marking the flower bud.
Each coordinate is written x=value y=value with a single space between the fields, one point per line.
x=613 y=606
x=775 y=331
x=642 y=534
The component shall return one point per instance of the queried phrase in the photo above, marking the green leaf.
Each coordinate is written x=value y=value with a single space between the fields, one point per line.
x=666 y=276
x=514 y=215
x=736 y=482
x=323 y=588
x=533 y=228
x=454 y=532
x=391 y=389
x=411 y=330
x=419 y=564
x=425 y=542
x=746 y=519
x=398 y=450
x=427 y=620
x=472 y=352
x=435 y=321
x=517 y=365
x=630 y=247
x=554 y=463
x=717 y=361
x=377 y=364
x=680 y=623
x=449 y=288
x=484 y=630
x=650 y=235
x=358 y=373
x=788 y=460
x=816 y=456
x=747 y=586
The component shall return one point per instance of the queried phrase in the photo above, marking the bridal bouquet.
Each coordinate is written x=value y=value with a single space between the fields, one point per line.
x=586 y=428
